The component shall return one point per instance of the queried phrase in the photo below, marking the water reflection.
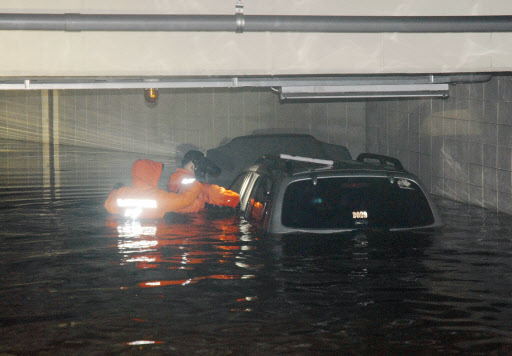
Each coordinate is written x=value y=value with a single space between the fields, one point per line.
x=183 y=242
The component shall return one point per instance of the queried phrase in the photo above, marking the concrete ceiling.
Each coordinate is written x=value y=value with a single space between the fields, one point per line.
x=143 y=55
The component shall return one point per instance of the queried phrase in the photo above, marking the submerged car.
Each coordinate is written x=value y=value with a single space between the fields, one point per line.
x=288 y=194
x=233 y=157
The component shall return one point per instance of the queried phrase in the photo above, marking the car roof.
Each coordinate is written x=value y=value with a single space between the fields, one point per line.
x=235 y=156
x=297 y=165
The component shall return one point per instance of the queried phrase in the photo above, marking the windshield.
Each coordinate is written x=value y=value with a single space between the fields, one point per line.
x=355 y=202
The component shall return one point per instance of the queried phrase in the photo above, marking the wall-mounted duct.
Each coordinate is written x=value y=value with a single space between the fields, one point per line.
x=254 y=23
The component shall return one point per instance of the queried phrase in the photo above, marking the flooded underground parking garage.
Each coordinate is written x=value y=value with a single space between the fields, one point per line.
x=398 y=101
x=76 y=280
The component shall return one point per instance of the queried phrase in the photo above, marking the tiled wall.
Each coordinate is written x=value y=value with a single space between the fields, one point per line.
x=204 y=118
x=20 y=115
x=460 y=146
x=100 y=132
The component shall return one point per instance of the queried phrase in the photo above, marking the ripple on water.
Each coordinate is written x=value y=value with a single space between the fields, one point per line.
x=76 y=281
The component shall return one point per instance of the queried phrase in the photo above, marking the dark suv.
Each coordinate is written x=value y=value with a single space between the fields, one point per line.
x=285 y=194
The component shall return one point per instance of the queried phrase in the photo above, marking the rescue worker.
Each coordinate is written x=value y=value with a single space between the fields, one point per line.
x=194 y=163
x=143 y=199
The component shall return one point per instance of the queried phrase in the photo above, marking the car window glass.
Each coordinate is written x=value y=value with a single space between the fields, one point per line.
x=237 y=185
x=246 y=189
x=240 y=186
x=355 y=202
x=258 y=199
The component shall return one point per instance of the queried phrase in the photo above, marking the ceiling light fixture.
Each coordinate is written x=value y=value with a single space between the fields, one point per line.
x=151 y=95
x=363 y=91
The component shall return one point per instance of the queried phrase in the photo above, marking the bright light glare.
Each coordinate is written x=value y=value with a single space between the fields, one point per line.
x=141 y=259
x=154 y=284
x=136 y=203
x=135 y=229
x=139 y=244
x=143 y=342
x=134 y=206
x=188 y=180
x=132 y=213
x=242 y=265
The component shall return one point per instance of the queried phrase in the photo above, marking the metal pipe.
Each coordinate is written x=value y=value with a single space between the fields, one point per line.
x=379 y=23
x=81 y=22
x=259 y=23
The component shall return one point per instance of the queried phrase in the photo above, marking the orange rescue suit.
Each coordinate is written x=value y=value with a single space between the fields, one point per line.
x=182 y=181
x=145 y=175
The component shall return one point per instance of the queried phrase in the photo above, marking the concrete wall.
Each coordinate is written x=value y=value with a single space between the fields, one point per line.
x=460 y=146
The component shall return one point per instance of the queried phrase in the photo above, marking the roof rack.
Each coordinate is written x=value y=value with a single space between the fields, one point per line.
x=324 y=162
x=386 y=161
x=295 y=164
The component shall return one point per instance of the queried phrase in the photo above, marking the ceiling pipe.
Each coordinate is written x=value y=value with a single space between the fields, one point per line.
x=259 y=23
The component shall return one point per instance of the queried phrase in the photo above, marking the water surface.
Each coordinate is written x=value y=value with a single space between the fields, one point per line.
x=76 y=281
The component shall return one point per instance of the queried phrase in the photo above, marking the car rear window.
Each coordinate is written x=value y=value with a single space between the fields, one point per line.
x=355 y=202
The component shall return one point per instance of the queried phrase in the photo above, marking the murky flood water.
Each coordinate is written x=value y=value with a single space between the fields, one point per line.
x=75 y=281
